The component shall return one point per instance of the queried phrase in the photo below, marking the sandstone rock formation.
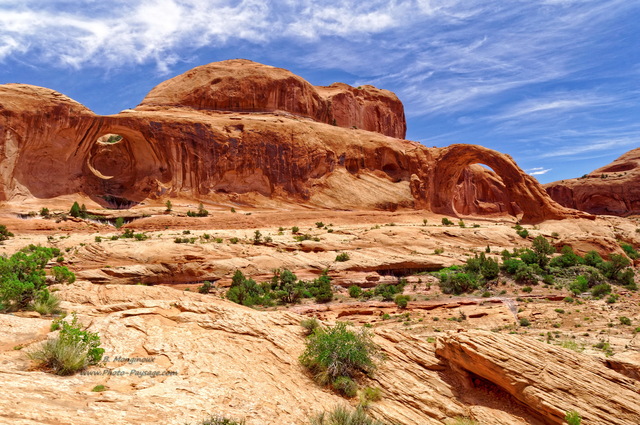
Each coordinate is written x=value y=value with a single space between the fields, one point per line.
x=481 y=192
x=547 y=379
x=612 y=190
x=177 y=144
x=244 y=86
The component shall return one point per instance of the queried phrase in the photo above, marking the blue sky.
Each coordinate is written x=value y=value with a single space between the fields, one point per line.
x=553 y=83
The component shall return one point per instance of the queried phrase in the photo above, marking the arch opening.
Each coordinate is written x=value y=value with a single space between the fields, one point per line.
x=480 y=191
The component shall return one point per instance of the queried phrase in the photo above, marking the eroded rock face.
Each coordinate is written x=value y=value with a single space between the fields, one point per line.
x=52 y=146
x=481 y=192
x=245 y=86
x=548 y=379
x=612 y=190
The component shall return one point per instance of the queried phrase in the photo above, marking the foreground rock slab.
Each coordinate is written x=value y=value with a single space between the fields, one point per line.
x=547 y=379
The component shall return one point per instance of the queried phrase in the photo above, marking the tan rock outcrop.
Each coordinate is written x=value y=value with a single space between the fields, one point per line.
x=51 y=146
x=612 y=190
x=548 y=380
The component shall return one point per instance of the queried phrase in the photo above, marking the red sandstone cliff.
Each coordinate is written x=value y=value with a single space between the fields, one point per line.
x=612 y=190
x=177 y=144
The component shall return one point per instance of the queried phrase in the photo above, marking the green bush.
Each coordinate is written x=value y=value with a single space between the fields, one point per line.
x=46 y=303
x=579 y=285
x=246 y=291
x=344 y=416
x=343 y=256
x=345 y=386
x=71 y=351
x=402 y=300
x=4 y=233
x=447 y=222
x=523 y=233
x=573 y=418
x=388 y=291
x=630 y=251
x=62 y=274
x=524 y=322
x=320 y=288
x=75 y=210
x=200 y=213
x=625 y=320
x=355 y=291
x=205 y=288
x=22 y=277
x=600 y=290
x=457 y=283
x=310 y=325
x=568 y=258
x=337 y=351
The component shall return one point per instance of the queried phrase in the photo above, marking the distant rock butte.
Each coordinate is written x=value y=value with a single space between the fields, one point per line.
x=200 y=135
x=612 y=190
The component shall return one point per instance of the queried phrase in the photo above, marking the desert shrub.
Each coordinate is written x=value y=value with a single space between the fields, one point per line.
x=200 y=213
x=75 y=210
x=524 y=322
x=457 y=283
x=593 y=259
x=630 y=251
x=119 y=222
x=320 y=288
x=625 y=320
x=626 y=278
x=168 y=206
x=310 y=325
x=4 y=233
x=245 y=291
x=319 y=224
x=568 y=258
x=22 y=277
x=71 y=351
x=46 y=303
x=61 y=274
x=221 y=420
x=388 y=291
x=355 y=291
x=99 y=388
x=446 y=222
x=579 y=285
x=523 y=233
x=338 y=351
x=286 y=286
x=343 y=256
x=344 y=416
x=600 y=290
x=345 y=386
x=371 y=394
x=527 y=273
x=205 y=288
x=295 y=229
x=402 y=300
x=527 y=289
x=573 y=418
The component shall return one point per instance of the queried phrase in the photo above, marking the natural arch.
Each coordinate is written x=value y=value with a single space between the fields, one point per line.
x=480 y=191
x=520 y=187
x=121 y=167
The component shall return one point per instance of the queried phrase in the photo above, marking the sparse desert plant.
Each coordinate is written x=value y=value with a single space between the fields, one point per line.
x=343 y=256
x=319 y=224
x=99 y=388
x=168 y=206
x=205 y=288
x=46 y=303
x=44 y=212
x=524 y=322
x=446 y=222
x=119 y=222
x=310 y=325
x=573 y=418
x=625 y=320
x=221 y=420
x=344 y=416
x=295 y=229
x=465 y=421
x=71 y=351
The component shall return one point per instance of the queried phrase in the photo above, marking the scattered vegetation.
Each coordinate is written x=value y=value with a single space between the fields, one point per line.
x=343 y=256
x=200 y=213
x=446 y=222
x=573 y=418
x=284 y=287
x=221 y=420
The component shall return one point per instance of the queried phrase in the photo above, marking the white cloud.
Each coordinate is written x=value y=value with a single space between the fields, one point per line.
x=539 y=171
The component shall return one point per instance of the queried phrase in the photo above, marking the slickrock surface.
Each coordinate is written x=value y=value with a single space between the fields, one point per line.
x=174 y=145
x=547 y=379
x=613 y=189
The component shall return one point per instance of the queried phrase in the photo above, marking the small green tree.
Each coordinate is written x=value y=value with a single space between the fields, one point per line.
x=4 y=233
x=169 y=206
x=75 y=210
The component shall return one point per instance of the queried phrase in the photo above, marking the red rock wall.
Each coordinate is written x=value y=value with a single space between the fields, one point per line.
x=611 y=190
x=49 y=147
